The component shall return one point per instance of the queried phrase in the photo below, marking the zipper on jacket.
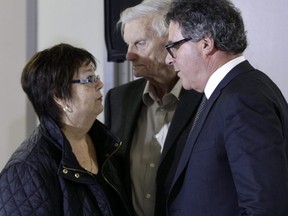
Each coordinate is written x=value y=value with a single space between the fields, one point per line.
x=119 y=144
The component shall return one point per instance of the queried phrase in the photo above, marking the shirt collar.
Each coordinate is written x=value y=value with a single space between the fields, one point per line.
x=149 y=96
x=219 y=74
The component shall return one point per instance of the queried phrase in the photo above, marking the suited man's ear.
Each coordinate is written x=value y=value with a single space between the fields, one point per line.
x=208 y=45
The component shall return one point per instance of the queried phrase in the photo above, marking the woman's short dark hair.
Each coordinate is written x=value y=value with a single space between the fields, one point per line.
x=48 y=74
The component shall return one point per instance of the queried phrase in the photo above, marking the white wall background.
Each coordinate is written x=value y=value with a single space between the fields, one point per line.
x=81 y=23
x=12 y=59
x=267 y=29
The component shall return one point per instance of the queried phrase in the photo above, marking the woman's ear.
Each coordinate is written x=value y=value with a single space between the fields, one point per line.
x=63 y=103
x=59 y=101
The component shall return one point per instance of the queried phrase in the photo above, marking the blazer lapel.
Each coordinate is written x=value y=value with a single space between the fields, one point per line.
x=187 y=105
x=133 y=104
x=192 y=138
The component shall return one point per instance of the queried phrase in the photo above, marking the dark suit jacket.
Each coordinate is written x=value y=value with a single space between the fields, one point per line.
x=235 y=161
x=122 y=108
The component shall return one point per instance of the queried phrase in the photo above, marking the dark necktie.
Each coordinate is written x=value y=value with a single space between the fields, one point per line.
x=199 y=110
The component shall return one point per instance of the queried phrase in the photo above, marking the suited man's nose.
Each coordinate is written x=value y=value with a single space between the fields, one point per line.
x=169 y=59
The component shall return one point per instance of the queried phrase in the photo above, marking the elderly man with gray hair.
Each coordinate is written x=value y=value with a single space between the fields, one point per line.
x=152 y=114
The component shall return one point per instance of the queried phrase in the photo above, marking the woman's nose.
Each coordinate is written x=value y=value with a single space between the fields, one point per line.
x=99 y=85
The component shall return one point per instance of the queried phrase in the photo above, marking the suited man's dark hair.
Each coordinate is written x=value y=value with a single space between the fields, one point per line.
x=218 y=19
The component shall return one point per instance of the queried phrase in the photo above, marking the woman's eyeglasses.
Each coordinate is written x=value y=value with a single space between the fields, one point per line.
x=89 y=80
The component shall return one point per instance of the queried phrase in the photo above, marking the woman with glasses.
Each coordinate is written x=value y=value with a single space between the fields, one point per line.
x=66 y=167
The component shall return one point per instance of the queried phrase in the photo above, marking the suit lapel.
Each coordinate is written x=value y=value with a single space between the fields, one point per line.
x=192 y=138
x=186 y=107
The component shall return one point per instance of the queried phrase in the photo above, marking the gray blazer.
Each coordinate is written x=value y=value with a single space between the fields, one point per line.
x=122 y=108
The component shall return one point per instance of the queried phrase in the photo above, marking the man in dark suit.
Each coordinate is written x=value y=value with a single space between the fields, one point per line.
x=153 y=114
x=235 y=161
